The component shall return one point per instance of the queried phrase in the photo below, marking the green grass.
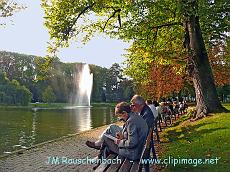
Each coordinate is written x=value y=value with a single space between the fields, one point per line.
x=203 y=139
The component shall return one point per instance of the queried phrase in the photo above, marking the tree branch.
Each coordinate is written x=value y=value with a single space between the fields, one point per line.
x=113 y=15
x=75 y=20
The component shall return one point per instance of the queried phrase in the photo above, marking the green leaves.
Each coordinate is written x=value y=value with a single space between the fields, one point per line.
x=11 y=92
x=214 y=20
x=48 y=95
x=8 y=8
x=154 y=27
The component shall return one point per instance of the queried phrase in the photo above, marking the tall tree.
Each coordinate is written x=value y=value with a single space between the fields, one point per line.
x=159 y=28
x=12 y=92
x=48 y=95
x=99 y=83
x=200 y=69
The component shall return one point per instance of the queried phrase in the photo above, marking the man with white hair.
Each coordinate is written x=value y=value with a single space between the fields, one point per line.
x=127 y=141
x=138 y=105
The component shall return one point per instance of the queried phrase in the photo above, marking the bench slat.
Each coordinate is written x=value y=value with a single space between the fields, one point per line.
x=115 y=167
x=125 y=166
x=104 y=167
x=135 y=166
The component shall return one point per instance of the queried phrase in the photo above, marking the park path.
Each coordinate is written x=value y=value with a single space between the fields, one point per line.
x=35 y=159
x=72 y=147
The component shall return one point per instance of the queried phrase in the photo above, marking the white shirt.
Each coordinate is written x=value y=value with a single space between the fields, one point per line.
x=154 y=110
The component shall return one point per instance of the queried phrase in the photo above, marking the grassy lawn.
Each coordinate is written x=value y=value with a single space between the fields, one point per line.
x=207 y=138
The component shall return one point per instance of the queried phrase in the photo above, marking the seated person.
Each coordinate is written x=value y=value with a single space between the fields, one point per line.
x=130 y=139
x=139 y=106
x=152 y=107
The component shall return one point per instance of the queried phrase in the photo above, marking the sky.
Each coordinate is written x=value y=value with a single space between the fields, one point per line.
x=26 y=34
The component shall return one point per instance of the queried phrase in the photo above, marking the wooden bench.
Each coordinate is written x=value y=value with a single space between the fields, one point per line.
x=126 y=164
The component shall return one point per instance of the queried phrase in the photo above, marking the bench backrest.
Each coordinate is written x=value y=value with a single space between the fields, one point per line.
x=146 y=150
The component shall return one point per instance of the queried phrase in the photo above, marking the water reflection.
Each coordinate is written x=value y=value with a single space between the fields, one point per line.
x=21 y=128
x=27 y=138
x=34 y=128
x=81 y=118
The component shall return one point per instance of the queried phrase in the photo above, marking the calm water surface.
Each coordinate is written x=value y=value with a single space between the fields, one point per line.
x=24 y=128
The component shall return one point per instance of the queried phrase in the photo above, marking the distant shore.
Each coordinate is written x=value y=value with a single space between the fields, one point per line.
x=52 y=105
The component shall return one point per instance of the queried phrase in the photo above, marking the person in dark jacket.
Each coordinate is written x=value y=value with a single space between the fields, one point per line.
x=130 y=140
x=138 y=105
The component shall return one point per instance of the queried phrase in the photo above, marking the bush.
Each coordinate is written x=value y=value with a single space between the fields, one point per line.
x=191 y=112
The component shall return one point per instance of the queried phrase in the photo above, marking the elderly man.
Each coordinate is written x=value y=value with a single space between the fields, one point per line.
x=139 y=106
x=130 y=139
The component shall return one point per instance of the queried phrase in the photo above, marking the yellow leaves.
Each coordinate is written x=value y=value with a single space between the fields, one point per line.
x=163 y=61
x=146 y=55
x=179 y=69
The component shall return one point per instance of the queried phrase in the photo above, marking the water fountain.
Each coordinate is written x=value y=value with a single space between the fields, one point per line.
x=83 y=86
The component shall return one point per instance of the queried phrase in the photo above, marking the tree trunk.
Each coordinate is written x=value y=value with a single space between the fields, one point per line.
x=200 y=69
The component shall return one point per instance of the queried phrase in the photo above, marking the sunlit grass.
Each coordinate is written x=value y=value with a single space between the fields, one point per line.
x=205 y=138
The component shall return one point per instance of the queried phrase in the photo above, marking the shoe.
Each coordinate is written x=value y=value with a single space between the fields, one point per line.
x=92 y=145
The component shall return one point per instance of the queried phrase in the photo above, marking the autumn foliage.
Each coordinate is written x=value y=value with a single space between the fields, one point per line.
x=220 y=65
x=163 y=80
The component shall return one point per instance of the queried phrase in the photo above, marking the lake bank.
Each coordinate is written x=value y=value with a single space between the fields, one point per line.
x=21 y=128
x=36 y=158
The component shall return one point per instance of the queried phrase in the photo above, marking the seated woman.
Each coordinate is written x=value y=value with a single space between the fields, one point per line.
x=130 y=139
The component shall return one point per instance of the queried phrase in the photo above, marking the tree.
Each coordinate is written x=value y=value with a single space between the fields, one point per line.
x=200 y=69
x=12 y=92
x=126 y=90
x=22 y=68
x=219 y=58
x=8 y=8
x=60 y=77
x=159 y=28
x=157 y=80
x=48 y=95
x=165 y=80
x=99 y=82
x=113 y=79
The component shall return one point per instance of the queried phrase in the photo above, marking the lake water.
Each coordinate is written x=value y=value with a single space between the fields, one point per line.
x=24 y=128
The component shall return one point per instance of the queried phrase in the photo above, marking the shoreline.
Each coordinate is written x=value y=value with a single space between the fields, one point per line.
x=30 y=106
x=51 y=141
x=35 y=157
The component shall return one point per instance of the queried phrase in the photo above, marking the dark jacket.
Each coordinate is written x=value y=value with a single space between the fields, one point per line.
x=135 y=131
x=147 y=115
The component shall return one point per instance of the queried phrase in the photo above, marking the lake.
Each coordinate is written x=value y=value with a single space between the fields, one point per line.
x=24 y=128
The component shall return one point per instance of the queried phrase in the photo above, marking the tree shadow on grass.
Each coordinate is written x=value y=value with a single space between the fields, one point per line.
x=180 y=120
x=190 y=132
